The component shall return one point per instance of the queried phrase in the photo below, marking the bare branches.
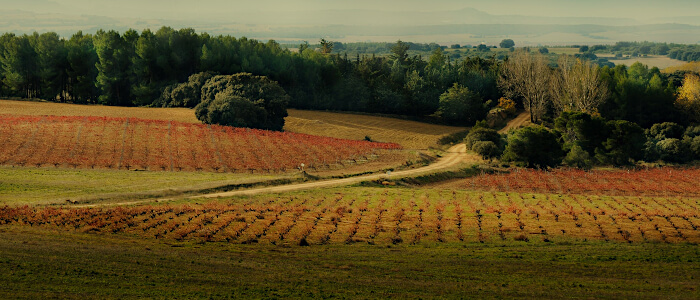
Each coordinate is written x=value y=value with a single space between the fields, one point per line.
x=528 y=76
x=577 y=86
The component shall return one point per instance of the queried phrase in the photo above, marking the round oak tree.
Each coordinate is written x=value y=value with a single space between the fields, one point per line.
x=243 y=100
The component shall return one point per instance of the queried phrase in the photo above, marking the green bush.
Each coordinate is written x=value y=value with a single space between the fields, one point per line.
x=694 y=147
x=674 y=150
x=578 y=158
x=666 y=130
x=582 y=129
x=459 y=105
x=187 y=94
x=243 y=100
x=534 y=147
x=487 y=149
x=481 y=134
x=624 y=144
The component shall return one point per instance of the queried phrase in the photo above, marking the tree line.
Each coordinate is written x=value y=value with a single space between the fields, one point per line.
x=169 y=67
x=133 y=69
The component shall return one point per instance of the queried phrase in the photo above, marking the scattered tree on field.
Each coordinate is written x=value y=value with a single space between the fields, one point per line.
x=243 y=100
x=187 y=94
x=507 y=43
x=581 y=129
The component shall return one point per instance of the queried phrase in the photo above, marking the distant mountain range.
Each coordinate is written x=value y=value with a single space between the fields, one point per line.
x=466 y=25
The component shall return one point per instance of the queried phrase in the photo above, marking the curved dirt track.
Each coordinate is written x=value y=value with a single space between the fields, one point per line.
x=455 y=155
x=521 y=120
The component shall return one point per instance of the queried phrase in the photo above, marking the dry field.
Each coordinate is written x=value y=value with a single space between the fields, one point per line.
x=693 y=66
x=409 y=134
x=658 y=61
x=562 y=50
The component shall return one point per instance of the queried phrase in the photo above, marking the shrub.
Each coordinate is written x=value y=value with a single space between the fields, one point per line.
x=694 y=145
x=453 y=138
x=582 y=129
x=692 y=131
x=578 y=158
x=534 y=146
x=666 y=130
x=507 y=105
x=674 y=150
x=487 y=149
x=459 y=105
x=624 y=144
x=481 y=134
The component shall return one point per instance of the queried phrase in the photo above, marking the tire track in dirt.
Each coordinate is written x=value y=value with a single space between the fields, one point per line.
x=454 y=156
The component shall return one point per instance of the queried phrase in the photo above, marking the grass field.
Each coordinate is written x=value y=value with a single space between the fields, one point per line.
x=563 y=50
x=49 y=185
x=40 y=263
x=658 y=61
x=409 y=134
x=34 y=108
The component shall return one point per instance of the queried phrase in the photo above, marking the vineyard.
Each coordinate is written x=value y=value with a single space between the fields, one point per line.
x=655 y=181
x=392 y=216
x=131 y=143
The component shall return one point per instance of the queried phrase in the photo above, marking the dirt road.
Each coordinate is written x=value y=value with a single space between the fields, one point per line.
x=455 y=155
x=521 y=120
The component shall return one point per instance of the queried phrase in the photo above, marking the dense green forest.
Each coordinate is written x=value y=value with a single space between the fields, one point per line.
x=150 y=68
x=134 y=69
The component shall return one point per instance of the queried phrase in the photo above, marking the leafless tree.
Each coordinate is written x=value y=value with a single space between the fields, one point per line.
x=527 y=76
x=577 y=86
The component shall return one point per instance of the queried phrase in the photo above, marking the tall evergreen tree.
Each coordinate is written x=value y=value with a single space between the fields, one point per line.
x=19 y=63
x=82 y=69
x=113 y=68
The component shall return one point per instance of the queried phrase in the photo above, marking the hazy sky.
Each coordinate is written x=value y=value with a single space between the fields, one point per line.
x=189 y=9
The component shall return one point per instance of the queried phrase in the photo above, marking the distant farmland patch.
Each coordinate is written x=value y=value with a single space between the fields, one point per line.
x=693 y=66
x=131 y=143
x=660 y=62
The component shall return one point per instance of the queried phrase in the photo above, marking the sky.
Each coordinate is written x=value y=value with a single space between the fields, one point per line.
x=221 y=9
